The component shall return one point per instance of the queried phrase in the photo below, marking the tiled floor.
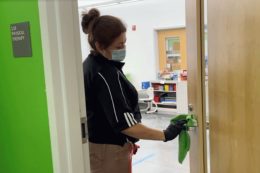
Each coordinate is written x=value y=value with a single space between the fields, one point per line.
x=156 y=156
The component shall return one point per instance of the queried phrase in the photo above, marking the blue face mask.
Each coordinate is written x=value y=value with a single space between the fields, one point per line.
x=118 y=55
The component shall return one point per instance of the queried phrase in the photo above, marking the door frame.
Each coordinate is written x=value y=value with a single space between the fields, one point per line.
x=59 y=21
x=196 y=81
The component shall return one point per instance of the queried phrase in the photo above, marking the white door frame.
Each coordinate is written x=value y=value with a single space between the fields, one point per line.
x=60 y=32
x=64 y=84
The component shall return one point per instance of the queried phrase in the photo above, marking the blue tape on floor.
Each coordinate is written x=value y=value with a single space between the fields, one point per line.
x=143 y=159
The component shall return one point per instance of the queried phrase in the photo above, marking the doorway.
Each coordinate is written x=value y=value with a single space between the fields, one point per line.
x=143 y=19
x=233 y=97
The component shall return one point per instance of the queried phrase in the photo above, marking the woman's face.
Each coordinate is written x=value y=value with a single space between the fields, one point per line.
x=119 y=43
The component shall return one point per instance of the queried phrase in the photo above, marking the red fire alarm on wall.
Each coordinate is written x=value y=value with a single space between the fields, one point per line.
x=133 y=27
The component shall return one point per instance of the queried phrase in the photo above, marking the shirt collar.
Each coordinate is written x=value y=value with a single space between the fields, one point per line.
x=117 y=64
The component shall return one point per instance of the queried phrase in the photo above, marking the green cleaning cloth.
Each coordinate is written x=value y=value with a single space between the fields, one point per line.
x=184 y=137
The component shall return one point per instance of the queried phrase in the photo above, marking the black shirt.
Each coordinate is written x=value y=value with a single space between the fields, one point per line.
x=111 y=101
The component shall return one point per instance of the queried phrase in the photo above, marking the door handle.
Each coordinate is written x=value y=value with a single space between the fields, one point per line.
x=194 y=125
x=195 y=122
x=190 y=108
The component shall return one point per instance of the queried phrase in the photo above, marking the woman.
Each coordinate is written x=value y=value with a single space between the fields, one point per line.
x=114 y=119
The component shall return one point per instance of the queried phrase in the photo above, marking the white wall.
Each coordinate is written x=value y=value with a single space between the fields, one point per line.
x=142 y=58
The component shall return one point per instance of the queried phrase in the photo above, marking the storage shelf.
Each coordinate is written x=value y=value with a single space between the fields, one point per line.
x=171 y=95
x=164 y=82
x=167 y=103
x=165 y=91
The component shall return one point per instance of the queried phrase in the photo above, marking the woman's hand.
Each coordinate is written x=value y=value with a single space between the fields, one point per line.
x=173 y=130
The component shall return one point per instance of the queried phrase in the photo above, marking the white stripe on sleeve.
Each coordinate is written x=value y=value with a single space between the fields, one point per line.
x=110 y=96
x=131 y=119
x=127 y=120
x=121 y=87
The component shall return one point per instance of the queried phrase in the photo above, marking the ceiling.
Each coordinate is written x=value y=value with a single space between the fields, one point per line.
x=84 y=3
x=88 y=2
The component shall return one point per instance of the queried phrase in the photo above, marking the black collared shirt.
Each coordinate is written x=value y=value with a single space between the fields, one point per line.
x=111 y=101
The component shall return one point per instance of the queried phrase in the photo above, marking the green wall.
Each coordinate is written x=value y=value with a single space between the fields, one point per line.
x=24 y=131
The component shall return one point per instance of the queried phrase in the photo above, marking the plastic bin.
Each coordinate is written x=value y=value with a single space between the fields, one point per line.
x=146 y=85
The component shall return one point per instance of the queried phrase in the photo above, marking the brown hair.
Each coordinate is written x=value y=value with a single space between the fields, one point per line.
x=102 y=29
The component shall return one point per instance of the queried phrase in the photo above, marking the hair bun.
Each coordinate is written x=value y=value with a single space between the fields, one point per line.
x=88 y=19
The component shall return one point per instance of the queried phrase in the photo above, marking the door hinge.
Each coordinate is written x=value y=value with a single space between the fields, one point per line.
x=84 y=130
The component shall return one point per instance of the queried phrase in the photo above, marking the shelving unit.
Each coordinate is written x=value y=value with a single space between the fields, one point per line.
x=164 y=91
x=171 y=96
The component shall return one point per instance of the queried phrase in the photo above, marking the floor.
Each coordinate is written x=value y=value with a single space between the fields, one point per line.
x=157 y=156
